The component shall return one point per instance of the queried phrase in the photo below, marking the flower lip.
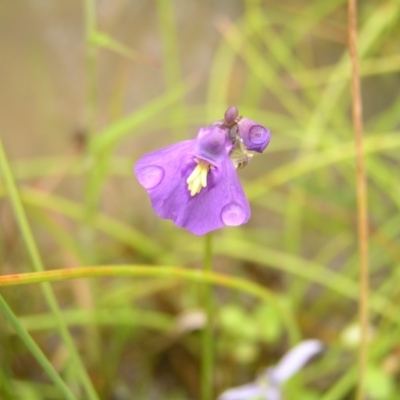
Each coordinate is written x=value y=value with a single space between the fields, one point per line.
x=255 y=136
x=212 y=145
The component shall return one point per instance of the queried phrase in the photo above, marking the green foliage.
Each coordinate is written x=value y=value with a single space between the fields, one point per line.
x=379 y=384
x=243 y=332
x=154 y=76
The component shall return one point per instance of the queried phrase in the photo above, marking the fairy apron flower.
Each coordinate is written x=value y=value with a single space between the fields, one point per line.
x=194 y=182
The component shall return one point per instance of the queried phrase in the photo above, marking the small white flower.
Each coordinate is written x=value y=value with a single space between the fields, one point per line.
x=268 y=385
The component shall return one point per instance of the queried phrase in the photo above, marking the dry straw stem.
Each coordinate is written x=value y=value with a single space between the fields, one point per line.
x=362 y=211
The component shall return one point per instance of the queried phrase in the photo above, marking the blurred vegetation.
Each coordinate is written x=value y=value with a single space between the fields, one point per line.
x=87 y=88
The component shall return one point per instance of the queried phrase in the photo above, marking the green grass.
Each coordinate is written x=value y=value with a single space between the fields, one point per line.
x=129 y=326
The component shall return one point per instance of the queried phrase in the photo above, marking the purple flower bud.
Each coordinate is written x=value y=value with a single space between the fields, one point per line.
x=255 y=137
x=212 y=145
x=230 y=115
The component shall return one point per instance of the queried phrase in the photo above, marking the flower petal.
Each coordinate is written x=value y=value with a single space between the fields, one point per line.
x=222 y=203
x=294 y=360
x=250 y=391
x=273 y=393
x=212 y=144
x=255 y=136
x=160 y=173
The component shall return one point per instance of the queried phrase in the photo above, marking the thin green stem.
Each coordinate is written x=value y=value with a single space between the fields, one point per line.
x=362 y=209
x=207 y=339
x=38 y=266
x=35 y=350
x=95 y=170
x=163 y=272
x=91 y=195
x=92 y=173
x=169 y=38
x=90 y=27
x=7 y=389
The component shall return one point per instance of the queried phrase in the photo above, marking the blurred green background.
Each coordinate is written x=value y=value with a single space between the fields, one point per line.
x=87 y=87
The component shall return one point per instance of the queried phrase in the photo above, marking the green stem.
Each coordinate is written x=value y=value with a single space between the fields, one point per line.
x=162 y=272
x=35 y=350
x=94 y=169
x=362 y=206
x=7 y=389
x=171 y=55
x=90 y=26
x=91 y=198
x=207 y=339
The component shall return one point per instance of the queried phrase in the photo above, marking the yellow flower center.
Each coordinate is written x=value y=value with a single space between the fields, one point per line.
x=197 y=180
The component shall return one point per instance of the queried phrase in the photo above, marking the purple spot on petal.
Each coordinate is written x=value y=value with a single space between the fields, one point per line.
x=258 y=134
x=151 y=176
x=233 y=214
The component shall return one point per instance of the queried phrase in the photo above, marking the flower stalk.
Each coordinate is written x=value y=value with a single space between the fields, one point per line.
x=207 y=359
x=362 y=206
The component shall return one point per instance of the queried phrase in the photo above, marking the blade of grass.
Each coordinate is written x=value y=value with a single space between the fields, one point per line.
x=379 y=21
x=35 y=350
x=103 y=40
x=300 y=267
x=261 y=69
x=7 y=389
x=90 y=30
x=110 y=316
x=37 y=264
x=112 y=134
x=123 y=232
x=164 y=272
x=317 y=160
x=171 y=68
x=348 y=379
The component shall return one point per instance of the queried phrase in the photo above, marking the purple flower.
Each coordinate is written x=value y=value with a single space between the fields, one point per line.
x=194 y=182
x=268 y=385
